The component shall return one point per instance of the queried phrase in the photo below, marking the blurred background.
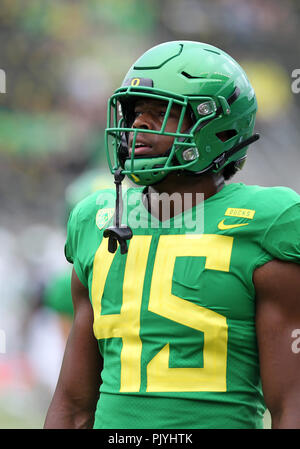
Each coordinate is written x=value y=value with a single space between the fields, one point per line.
x=62 y=60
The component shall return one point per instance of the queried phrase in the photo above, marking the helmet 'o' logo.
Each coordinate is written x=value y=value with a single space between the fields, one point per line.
x=148 y=82
x=135 y=82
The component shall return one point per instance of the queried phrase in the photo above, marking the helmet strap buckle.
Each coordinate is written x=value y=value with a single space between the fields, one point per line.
x=118 y=233
x=219 y=161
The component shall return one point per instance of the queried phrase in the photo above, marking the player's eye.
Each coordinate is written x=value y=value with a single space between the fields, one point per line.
x=137 y=114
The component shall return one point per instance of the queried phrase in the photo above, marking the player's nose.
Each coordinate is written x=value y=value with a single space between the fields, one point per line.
x=143 y=121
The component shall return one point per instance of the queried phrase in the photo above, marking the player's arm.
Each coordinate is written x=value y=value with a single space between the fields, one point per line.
x=74 y=401
x=277 y=287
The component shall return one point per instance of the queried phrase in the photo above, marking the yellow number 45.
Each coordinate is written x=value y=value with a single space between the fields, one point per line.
x=126 y=325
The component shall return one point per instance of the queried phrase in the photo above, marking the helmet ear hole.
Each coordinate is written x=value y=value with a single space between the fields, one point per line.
x=226 y=135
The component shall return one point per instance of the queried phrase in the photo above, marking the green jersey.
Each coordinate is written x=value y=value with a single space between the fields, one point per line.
x=175 y=316
x=57 y=294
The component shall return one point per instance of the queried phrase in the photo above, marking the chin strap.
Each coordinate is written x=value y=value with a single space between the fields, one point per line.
x=118 y=233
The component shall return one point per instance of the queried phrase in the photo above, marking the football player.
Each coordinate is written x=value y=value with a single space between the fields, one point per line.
x=192 y=299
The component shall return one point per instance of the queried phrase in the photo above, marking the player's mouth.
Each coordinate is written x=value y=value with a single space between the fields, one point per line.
x=141 y=148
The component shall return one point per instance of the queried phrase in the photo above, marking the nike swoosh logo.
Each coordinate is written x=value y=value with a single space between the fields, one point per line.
x=223 y=226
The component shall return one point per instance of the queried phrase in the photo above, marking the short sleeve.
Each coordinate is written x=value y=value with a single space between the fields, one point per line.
x=71 y=245
x=282 y=237
x=71 y=230
x=57 y=295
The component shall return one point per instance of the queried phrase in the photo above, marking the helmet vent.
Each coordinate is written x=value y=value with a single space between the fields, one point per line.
x=187 y=75
x=226 y=135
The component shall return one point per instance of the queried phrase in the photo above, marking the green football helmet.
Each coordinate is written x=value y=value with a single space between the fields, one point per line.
x=205 y=82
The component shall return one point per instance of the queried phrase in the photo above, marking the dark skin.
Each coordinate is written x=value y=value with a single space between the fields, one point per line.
x=149 y=114
x=277 y=286
x=75 y=398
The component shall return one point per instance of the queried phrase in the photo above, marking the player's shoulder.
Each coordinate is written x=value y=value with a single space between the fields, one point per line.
x=278 y=193
x=87 y=207
x=271 y=200
x=97 y=203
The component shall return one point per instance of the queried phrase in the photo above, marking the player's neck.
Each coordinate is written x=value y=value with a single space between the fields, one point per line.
x=207 y=185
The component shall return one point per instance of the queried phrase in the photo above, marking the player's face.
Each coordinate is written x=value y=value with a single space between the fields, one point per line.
x=149 y=114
